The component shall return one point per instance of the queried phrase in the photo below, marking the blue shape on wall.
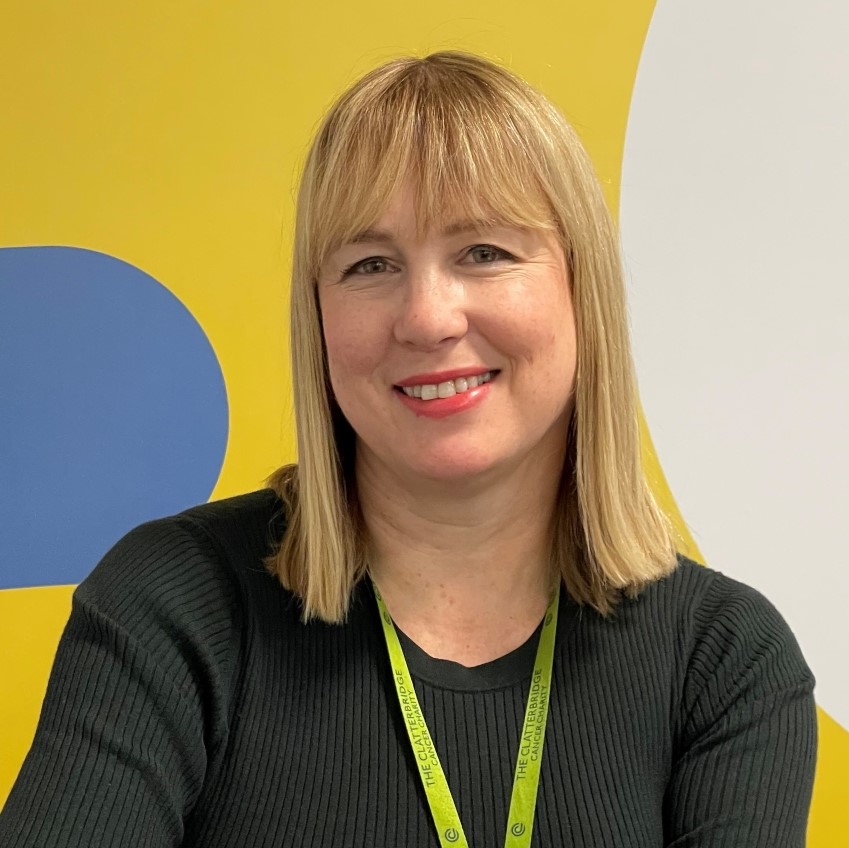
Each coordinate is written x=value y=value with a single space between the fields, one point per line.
x=113 y=409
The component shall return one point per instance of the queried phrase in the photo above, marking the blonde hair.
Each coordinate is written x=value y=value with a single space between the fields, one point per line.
x=481 y=143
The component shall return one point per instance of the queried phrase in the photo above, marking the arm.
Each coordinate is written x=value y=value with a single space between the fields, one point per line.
x=134 y=701
x=746 y=737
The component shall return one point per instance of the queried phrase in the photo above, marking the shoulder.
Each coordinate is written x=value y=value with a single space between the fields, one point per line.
x=717 y=612
x=699 y=621
x=734 y=646
x=190 y=567
x=701 y=599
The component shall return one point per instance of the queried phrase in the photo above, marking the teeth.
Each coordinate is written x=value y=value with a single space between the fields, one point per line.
x=447 y=389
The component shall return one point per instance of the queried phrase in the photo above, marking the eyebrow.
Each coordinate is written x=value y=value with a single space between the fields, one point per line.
x=373 y=234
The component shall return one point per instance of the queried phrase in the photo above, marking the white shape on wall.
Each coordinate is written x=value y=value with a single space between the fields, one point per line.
x=736 y=236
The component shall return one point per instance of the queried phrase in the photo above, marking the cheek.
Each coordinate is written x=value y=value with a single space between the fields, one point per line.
x=540 y=332
x=354 y=342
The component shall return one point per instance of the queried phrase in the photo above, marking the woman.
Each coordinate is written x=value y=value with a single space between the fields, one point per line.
x=473 y=621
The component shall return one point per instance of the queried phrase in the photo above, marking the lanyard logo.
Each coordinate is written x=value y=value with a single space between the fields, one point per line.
x=528 y=761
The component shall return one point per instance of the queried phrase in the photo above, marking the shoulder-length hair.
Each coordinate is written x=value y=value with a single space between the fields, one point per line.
x=481 y=144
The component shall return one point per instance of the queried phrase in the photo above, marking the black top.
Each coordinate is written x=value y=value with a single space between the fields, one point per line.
x=189 y=706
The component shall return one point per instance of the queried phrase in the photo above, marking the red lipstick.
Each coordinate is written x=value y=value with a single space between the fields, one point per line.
x=437 y=377
x=444 y=407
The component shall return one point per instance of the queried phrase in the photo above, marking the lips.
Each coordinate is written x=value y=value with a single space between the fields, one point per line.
x=438 y=395
x=447 y=388
x=437 y=377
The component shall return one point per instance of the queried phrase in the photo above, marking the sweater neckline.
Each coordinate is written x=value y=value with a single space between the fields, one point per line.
x=503 y=672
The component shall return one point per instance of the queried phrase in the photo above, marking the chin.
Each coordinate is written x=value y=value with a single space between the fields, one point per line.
x=454 y=467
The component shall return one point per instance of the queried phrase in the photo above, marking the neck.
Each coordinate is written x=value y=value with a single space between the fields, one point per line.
x=464 y=569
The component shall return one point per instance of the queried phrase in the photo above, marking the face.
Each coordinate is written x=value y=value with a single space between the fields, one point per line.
x=453 y=355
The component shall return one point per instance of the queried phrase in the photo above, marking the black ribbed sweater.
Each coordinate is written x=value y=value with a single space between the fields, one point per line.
x=189 y=706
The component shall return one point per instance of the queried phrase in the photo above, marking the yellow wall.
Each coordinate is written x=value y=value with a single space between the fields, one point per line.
x=169 y=135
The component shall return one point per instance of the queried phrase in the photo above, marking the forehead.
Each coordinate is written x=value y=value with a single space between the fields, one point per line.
x=410 y=211
x=450 y=150
x=414 y=208
x=388 y=229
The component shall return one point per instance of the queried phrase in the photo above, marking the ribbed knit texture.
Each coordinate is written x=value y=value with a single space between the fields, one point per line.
x=189 y=706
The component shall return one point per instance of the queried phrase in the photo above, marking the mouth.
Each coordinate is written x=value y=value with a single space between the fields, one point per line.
x=446 y=388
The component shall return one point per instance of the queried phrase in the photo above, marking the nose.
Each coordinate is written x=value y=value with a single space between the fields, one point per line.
x=432 y=309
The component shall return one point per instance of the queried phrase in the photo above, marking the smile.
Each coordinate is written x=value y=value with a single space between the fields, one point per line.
x=447 y=389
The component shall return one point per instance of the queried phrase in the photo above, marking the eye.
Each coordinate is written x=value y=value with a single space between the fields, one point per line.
x=485 y=253
x=372 y=265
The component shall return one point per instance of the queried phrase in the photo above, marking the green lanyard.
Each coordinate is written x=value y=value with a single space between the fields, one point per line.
x=520 y=821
